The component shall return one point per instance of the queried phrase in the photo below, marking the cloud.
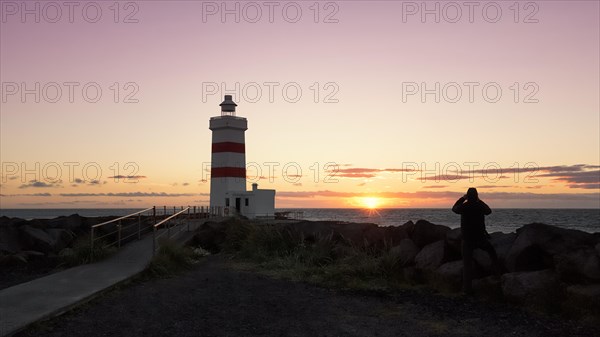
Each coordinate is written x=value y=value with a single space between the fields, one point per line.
x=38 y=184
x=494 y=186
x=435 y=186
x=363 y=172
x=592 y=186
x=127 y=177
x=132 y=194
x=27 y=195
x=576 y=179
x=441 y=195
x=185 y=184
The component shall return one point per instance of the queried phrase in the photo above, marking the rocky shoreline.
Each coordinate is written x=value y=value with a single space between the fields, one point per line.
x=33 y=248
x=547 y=267
x=543 y=265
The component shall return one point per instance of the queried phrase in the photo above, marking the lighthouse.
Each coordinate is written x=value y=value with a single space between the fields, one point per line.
x=228 y=168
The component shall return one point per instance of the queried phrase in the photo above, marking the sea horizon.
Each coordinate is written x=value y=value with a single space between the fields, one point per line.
x=501 y=219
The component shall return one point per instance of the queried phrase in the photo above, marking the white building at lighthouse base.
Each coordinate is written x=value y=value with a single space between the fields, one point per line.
x=257 y=203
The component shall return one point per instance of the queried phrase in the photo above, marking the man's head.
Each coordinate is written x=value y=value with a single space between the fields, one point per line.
x=472 y=194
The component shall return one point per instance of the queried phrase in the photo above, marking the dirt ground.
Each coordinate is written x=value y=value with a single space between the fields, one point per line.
x=214 y=299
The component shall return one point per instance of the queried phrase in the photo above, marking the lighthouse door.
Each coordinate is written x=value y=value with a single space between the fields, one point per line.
x=238 y=204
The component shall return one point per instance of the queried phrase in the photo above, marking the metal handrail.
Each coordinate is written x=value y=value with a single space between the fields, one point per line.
x=123 y=217
x=197 y=212
x=119 y=228
x=168 y=231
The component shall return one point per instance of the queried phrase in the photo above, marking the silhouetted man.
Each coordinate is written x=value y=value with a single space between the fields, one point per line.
x=472 y=212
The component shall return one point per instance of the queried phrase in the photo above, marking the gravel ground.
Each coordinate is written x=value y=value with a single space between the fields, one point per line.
x=214 y=299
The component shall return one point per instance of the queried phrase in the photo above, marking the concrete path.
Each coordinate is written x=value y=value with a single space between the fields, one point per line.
x=54 y=294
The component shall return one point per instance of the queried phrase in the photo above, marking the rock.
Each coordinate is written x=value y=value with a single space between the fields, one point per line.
x=536 y=244
x=454 y=240
x=32 y=254
x=37 y=239
x=13 y=260
x=598 y=249
x=489 y=287
x=449 y=276
x=70 y=222
x=62 y=238
x=425 y=233
x=9 y=238
x=540 y=287
x=585 y=298
x=394 y=235
x=431 y=256
x=578 y=265
x=408 y=227
x=407 y=251
x=502 y=243
x=482 y=260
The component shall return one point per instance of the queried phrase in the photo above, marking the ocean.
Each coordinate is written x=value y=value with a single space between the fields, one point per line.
x=501 y=220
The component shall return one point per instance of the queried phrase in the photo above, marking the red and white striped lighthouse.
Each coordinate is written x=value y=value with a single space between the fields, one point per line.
x=228 y=160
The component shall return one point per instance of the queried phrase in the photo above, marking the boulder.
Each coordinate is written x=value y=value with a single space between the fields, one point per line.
x=70 y=222
x=489 y=287
x=62 y=238
x=454 y=240
x=408 y=227
x=536 y=244
x=32 y=254
x=406 y=252
x=502 y=243
x=9 y=238
x=431 y=256
x=349 y=232
x=585 y=298
x=482 y=260
x=449 y=276
x=37 y=239
x=540 y=287
x=425 y=233
x=394 y=235
x=13 y=260
x=578 y=265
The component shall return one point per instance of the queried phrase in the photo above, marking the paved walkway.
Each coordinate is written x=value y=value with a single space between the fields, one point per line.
x=54 y=294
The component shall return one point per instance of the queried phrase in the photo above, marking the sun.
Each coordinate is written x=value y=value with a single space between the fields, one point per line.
x=371 y=202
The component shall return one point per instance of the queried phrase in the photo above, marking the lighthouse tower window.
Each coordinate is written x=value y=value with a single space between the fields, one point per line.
x=226 y=202
x=246 y=202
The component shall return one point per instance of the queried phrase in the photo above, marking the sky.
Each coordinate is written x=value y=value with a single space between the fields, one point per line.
x=349 y=103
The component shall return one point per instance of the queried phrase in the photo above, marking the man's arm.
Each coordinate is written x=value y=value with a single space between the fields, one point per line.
x=458 y=205
x=486 y=209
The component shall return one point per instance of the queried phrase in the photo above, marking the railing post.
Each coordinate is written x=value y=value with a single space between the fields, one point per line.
x=154 y=214
x=165 y=211
x=92 y=244
x=154 y=240
x=168 y=230
x=139 y=226
x=188 y=219
x=174 y=210
x=119 y=234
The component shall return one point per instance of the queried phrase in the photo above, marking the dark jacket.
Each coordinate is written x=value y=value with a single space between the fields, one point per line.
x=472 y=218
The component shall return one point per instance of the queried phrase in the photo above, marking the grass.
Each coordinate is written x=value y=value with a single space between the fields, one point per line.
x=171 y=259
x=81 y=252
x=319 y=259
